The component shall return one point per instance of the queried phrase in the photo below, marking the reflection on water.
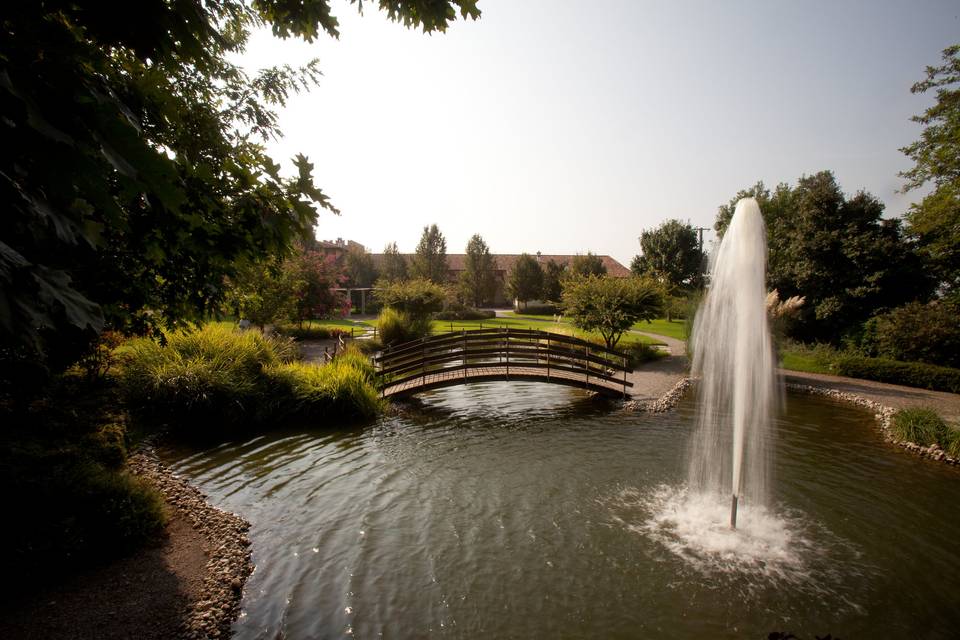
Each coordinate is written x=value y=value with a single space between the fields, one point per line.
x=524 y=510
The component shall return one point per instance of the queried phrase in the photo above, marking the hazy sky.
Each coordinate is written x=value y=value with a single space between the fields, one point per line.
x=567 y=126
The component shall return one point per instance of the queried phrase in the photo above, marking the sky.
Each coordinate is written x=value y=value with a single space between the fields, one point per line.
x=566 y=126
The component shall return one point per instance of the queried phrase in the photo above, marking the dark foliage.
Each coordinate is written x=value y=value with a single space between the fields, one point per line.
x=911 y=374
x=915 y=332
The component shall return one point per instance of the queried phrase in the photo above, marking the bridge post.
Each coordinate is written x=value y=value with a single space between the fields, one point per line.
x=508 y=353
x=464 y=354
x=548 y=355
x=586 y=363
x=423 y=361
x=624 y=377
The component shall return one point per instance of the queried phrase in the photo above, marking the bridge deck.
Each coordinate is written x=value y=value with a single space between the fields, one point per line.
x=494 y=372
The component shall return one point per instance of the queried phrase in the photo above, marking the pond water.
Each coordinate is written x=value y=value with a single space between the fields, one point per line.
x=520 y=510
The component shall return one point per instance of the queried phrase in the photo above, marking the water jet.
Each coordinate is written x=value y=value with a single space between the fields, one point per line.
x=734 y=361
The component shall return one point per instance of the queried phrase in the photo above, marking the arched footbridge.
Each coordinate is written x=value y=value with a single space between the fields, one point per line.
x=484 y=355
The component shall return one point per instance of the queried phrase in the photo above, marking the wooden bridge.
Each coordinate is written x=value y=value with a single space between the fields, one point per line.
x=483 y=355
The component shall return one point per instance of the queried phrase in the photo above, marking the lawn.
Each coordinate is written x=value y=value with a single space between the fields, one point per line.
x=794 y=361
x=524 y=322
x=676 y=329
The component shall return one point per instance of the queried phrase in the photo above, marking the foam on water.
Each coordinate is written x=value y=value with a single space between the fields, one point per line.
x=696 y=528
x=770 y=550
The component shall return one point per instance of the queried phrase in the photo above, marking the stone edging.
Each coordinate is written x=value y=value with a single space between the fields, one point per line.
x=665 y=402
x=884 y=415
x=225 y=536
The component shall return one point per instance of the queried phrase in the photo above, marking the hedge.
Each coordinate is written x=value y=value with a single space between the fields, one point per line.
x=465 y=314
x=912 y=374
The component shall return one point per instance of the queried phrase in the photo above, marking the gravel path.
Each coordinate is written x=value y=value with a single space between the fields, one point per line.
x=143 y=596
x=890 y=395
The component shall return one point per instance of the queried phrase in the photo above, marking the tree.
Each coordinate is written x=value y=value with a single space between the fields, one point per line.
x=133 y=173
x=315 y=277
x=430 y=258
x=525 y=280
x=836 y=252
x=394 y=265
x=553 y=276
x=588 y=265
x=935 y=221
x=478 y=281
x=671 y=254
x=418 y=297
x=262 y=292
x=359 y=269
x=610 y=306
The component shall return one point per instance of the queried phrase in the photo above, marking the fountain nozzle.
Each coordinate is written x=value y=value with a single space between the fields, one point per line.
x=733 y=512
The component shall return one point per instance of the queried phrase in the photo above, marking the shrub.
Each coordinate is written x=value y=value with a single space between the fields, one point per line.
x=922 y=426
x=913 y=374
x=640 y=352
x=460 y=312
x=61 y=464
x=419 y=298
x=368 y=346
x=610 y=306
x=397 y=327
x=109 y=445
x=219 y=378
x=309 y=332
x=915 y=332
x=342 y=389
x=952 y=446
x=540 y=310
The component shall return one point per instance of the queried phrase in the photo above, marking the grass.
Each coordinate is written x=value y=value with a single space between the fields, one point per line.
x=676 y=329
x=925 y=427
x=217 y=379
x=671 y=329
x=521 y=322
x=794 y=361
x=809 y=359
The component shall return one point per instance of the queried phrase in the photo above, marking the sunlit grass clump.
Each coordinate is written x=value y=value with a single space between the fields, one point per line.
x=926 y=427
x=342 y=389
x=397 y=327
x=217 y=377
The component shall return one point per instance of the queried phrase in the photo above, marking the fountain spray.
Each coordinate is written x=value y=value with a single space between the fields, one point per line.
x=733 y=358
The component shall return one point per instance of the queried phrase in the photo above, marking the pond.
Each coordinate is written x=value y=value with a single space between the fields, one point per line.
x=519 y=510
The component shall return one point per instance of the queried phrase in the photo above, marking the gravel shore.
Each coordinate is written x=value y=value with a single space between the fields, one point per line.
x=225 y=541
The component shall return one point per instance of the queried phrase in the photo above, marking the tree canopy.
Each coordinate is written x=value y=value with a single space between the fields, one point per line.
x=610 y=306
x=837 y=252
x=394 y=265
x=418 y=297
x=358 y=267
x=525 y=280
x=586 y=265
x=478 y=280
x=133 y=173
x=670 y=253
x=553 y=276
x=430 y=258
x=935 y=221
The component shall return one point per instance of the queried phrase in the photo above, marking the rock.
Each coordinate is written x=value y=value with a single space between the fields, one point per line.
x=224 y=533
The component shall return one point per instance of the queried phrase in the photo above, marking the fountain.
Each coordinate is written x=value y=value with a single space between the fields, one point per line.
x=733 y=358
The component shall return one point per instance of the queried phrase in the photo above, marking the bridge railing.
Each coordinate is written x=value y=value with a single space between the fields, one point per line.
x=502 y=348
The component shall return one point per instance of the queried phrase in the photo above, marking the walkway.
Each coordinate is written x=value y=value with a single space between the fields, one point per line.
x=891 y=395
